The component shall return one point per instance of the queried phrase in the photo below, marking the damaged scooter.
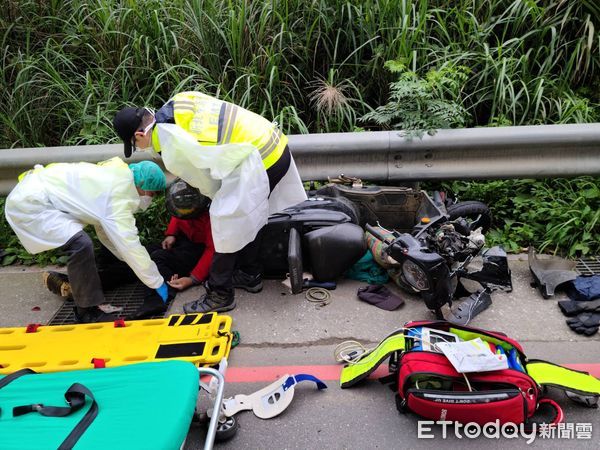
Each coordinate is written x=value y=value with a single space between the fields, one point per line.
x=425 y=245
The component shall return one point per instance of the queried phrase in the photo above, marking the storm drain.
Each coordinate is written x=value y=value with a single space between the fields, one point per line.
x=129 y=297
x=588 y=266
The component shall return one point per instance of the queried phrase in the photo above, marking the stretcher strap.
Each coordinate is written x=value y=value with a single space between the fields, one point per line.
x=13 y=376
x=75 y=397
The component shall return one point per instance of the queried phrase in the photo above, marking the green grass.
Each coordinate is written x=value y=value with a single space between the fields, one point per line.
x=67 y=66
x=556 y=216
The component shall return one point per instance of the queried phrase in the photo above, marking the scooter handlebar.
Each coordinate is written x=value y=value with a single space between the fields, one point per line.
x=375 y=232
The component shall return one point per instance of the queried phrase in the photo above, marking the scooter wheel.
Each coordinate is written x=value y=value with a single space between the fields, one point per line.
x=227 y=429
x=476 y=213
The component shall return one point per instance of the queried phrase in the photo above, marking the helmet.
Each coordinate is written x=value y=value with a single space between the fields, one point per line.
x=185 y=201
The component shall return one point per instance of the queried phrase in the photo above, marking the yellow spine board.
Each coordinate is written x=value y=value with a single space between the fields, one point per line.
x=203 y=339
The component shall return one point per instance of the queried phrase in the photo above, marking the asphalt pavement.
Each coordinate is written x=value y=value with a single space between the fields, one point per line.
x=283 y=333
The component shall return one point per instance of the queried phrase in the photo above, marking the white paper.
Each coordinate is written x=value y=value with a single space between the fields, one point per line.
x=472 y=356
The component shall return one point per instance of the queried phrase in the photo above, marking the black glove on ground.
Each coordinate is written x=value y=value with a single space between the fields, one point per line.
x=585 y=323
x=571 y=308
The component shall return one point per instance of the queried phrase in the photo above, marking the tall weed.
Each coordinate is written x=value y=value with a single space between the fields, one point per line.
x=67 y=66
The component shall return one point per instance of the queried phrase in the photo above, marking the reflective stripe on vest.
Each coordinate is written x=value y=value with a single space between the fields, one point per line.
x=212 y=121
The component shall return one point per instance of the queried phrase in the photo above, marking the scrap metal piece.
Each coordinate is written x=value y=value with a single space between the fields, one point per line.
x=495 y=273
x=271 y=400
x=473 y=305
x=266 y=403
x=550 y=273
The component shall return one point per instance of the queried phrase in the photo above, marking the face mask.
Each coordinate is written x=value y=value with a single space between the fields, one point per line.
x=150 y=147
x=145 y=202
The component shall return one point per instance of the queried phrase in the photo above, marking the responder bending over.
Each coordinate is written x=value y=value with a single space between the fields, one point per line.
x=183 y=257
x=239 y=160
x=50 y=206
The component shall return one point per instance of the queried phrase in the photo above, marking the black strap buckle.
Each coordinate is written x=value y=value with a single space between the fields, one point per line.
x=26 y=409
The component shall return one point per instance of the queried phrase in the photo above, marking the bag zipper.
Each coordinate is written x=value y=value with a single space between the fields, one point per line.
x=446 y=377
x=514 y=393
x=402 y=406
x=441 y=354
x=474 y=330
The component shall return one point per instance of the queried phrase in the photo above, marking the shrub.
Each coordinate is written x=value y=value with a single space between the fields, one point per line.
x=557 y=215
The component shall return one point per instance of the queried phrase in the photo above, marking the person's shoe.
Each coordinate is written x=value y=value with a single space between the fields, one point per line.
x=211 y=301
x=152 y=306
x=57 y=283
x=93 y=314
x=250 y=283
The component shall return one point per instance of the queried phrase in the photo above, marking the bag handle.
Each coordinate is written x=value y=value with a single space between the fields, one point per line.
x=548 y=413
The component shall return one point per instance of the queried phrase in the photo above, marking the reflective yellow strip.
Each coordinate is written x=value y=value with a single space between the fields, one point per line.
x=226 y=125
x=223 y=121
x=186 y=107
x=271 y=144
x=273 y=157
x=229 y=123
x=183 y=102
x=220 y=122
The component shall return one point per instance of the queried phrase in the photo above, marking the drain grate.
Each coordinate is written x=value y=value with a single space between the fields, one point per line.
x=588 y=266
x=129 y=297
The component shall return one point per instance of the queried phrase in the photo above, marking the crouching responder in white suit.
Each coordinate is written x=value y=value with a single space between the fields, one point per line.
x=238 y=159
x=50 y=206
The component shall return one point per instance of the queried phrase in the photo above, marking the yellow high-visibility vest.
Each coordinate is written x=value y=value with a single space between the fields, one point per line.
x=212 y=121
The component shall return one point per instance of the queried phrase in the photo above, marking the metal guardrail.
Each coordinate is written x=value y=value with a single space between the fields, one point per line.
x=471 y=153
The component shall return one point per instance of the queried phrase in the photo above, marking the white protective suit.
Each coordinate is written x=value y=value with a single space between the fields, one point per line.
x=52 y=204
x=233 y=176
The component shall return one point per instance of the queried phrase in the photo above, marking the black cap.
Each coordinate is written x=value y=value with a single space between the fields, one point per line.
x=126 y=123
x=380 y=296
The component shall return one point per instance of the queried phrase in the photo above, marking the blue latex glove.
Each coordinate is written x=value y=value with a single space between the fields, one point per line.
x=163 y=291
